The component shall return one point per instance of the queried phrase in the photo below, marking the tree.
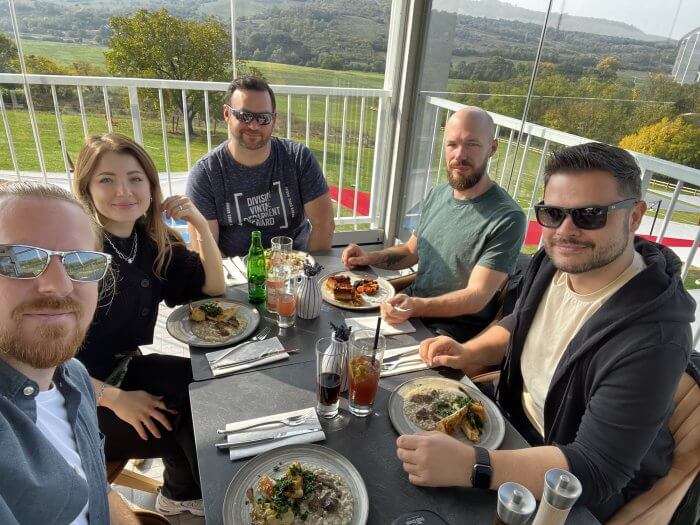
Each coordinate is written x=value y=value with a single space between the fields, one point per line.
x=608 y=67
x=8 y=55
x=672 y=140
x=159 y=45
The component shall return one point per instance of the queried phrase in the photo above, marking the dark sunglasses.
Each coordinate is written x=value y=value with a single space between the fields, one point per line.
x=19 y=261
x=586 y=218
x=247 y=116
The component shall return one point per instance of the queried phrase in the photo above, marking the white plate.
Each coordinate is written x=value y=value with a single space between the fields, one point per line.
x=386 y=291
x=494 y=428
x=237 y=512
x=180 y=327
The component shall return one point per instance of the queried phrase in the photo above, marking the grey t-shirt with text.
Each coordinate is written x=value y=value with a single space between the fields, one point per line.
x=269 y=197
x=456 y=235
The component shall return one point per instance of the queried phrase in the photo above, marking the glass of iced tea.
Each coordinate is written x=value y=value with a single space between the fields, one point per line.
x=363 y=371
x=274 y=282
x=286 y=304
x=331 y=356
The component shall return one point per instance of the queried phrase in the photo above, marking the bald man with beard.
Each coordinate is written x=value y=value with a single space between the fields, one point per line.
x=467 y=241
x=52 y=462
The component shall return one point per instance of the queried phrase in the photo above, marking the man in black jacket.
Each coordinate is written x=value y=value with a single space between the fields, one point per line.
x=592 y=355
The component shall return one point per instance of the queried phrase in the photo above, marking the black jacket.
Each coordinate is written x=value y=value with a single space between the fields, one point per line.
x=611 y=395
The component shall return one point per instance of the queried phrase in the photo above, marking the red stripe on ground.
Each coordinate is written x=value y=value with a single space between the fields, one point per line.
x=348 y=199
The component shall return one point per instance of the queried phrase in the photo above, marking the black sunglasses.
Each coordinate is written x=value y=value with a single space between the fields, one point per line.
x=19 y=261
x=247 y=117
x=586 y=217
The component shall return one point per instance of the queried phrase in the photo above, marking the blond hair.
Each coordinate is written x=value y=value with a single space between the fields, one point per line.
x=89 y=157
x=38 y=190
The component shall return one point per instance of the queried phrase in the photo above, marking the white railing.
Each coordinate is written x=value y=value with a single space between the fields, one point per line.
x=354 y=144
x=547 y=137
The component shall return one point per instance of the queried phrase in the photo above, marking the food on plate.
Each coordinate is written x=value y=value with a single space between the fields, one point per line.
x=332 y=280
x=303 y=494
x=210 y=321
x=447 y=411
x=295 y=260
x=344 y=292
x=367 y=286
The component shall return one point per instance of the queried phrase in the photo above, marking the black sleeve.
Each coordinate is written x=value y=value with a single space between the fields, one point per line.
x=184 y=277
x=622 y=420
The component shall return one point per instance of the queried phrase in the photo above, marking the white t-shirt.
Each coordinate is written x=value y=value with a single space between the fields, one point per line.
x=560 y=315
x=52 y=420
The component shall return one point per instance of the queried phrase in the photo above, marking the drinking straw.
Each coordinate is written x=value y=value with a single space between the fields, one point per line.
x=376 y=339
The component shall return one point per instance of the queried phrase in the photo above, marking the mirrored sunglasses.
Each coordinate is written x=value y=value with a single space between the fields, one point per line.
x=20 y=261
x=247 y=116
x=586 y=217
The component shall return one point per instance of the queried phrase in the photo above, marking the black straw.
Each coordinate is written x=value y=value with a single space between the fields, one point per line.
x=376 y=339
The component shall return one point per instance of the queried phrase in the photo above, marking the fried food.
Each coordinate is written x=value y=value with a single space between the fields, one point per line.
x=367 y=287
x=332 y=280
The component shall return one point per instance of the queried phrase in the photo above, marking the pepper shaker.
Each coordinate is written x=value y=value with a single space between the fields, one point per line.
x=561 y=490
x=515 y=504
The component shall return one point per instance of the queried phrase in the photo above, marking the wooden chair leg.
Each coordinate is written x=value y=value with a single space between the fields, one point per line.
x=136 y=480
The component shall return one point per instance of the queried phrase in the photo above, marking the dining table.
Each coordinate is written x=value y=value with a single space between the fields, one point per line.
x=369 y=443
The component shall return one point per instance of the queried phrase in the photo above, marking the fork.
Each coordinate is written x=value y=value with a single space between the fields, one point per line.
x=262 y=334
x=387 y=367
x=291 y=421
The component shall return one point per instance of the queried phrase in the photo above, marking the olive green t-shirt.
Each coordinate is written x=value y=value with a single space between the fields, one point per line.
x=456 y=235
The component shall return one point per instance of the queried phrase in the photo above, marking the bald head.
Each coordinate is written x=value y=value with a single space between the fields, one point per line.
x=474 y=119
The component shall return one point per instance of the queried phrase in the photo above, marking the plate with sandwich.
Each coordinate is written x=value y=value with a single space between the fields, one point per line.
x=355 y=290
x=448 y=406
x=213 y=322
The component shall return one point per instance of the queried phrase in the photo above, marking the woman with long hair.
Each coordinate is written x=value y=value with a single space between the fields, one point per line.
x=143 y=402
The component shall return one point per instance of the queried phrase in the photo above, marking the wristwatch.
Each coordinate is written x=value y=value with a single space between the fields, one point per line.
x=481 y=472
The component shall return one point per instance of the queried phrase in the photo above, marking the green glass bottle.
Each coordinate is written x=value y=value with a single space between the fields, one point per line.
x=256 y=270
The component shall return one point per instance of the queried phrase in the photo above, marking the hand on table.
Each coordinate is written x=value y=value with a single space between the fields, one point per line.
x=399 y=308
x=353 y=256
x=434 y=459
x=140 y=409
x=444 y=351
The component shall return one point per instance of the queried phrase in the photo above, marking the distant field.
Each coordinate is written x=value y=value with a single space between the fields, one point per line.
x=64 y=53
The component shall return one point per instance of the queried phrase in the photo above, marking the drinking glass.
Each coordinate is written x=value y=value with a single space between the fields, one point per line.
x=280 y=245
x=331 y=357
x=274 y=282
x=287 y=300
x=363 y=370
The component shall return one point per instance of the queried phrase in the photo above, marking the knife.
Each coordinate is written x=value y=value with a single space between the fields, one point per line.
x=401 y=354
x=253 y=359
x=279 y=435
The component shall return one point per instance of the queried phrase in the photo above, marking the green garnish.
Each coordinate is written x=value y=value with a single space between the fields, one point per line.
x=211 y=308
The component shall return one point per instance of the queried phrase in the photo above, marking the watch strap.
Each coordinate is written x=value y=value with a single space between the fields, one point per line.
x=481 y=473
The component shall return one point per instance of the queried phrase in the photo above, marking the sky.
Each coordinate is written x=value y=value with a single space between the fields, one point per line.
x=651 y=16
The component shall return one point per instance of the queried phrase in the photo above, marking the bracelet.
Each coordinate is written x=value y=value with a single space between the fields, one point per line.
x=100 y=393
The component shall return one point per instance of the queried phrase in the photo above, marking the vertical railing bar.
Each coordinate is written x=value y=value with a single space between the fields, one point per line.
x=10 y=142
x=61 y=134
x=448 y=113
x=495 y=137
x=431 y=156
x=164 y=129
x=377 y=177
x=669 y=211
x=108 y=111
x=185 y=111
x=289 y=116
x=83 y=115
x=325 y=134
x=308 y=119
x=135 y=110
x=540 y=171
x=505 y=159
x=206 y=116
x=342 y=155
x=691 y=255
x=360 y=139
x=521 y=170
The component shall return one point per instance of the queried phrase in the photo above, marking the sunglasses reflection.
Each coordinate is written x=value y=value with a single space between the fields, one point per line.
x=19 y=261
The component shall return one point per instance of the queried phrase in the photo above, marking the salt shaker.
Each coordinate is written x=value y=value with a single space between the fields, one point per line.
x=515 y=504
x=561 y=490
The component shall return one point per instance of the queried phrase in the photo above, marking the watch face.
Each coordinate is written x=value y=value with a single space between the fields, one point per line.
x=481 y=476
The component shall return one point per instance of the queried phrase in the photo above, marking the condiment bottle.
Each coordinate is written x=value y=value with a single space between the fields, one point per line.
x=561 y=490
x=515 y=504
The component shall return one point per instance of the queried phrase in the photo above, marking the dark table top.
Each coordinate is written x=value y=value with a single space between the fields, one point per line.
x=369 y=443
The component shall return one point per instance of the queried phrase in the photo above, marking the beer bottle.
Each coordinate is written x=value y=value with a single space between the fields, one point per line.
x=256 y=270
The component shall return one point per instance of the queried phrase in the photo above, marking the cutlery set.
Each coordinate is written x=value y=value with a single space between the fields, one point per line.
x=291 y=421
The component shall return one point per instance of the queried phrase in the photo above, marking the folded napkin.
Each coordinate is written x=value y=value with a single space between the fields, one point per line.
x=248 y=351
x=370 y=322
x=312 y=421
x=239 y=263
x=232 y=274
x=409 y=362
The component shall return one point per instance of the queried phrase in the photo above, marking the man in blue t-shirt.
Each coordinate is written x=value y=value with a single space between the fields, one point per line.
x=255 y=181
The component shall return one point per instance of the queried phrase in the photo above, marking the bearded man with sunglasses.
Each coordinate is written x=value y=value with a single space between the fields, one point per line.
x=52 y=461
x=592 y=354
x=255 y=181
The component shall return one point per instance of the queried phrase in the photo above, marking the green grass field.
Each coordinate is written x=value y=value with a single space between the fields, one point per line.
x=64 y=53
